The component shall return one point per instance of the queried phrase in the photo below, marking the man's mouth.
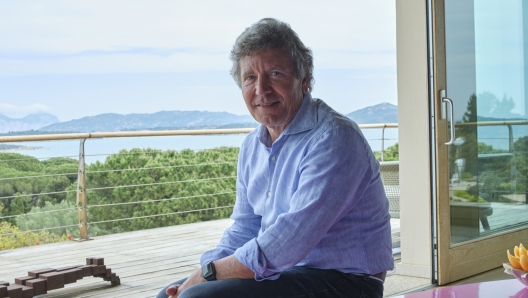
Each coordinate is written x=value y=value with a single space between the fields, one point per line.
x=265 y=105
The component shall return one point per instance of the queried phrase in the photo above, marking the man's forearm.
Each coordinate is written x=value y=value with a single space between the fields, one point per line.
x=230 y=267
x=226 y=268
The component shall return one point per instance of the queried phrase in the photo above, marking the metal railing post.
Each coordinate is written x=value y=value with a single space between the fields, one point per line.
x=81 y=196
x=383 y=143
x=513 y=164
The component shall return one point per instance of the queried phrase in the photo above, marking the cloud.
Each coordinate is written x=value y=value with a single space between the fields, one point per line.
x=109 y=62
x=14 y=111
x=62 y=37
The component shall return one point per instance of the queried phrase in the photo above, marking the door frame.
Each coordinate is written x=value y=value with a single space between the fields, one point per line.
x=465 y=259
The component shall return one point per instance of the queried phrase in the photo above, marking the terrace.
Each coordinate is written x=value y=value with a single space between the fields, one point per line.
x=148 y=259
x=151 y=255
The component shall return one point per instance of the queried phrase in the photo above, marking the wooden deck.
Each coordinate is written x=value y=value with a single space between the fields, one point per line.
x=146 y=261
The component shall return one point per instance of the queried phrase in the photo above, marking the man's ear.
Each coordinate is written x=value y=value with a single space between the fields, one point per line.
x=305 y=83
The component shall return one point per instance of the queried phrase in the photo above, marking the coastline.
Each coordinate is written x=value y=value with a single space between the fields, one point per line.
x=14 y=148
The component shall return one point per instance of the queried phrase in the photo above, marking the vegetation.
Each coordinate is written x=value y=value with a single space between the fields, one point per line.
x=146 y=188
x=10 y=237
x=18 y=196
x=176 y=183
x=154 y=189
x=392 y=153
x=466 y=196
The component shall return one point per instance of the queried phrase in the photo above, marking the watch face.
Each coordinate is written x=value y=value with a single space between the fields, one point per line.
x=206 y=270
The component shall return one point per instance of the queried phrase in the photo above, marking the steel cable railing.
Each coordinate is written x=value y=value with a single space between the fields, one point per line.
x=37 y=176
x=36 y=213
x=37 y=230
x=133 y=216
x=37 y=194
x=107 y=214
x=164 y=214
x=116 y=204
x=159 y=200
x=110 y=171
x=158 y=183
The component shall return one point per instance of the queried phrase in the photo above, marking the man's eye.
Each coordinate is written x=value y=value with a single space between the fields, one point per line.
x=249 y=78
x=275 y=73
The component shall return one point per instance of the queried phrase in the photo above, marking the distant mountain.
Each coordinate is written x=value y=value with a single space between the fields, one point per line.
x=163 y=119
x=46 y=123
x=30 y=122
x=380 y=113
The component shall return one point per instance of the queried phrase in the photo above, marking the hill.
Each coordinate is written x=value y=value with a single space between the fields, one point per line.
x=45 y=123
x=380 y=113
x=163 y=119
x=30 y=122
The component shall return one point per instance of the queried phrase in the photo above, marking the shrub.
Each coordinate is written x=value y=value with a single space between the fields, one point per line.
x=10 y=237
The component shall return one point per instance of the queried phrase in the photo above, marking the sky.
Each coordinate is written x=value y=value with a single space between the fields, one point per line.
x=81 y=58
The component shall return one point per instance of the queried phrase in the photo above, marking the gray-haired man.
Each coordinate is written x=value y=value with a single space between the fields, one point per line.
x=311 y=216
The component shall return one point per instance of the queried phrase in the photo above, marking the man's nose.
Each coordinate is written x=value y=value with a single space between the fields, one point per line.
x=263 y=86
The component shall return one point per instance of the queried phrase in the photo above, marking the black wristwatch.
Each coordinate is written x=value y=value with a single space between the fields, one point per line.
x=209 y=272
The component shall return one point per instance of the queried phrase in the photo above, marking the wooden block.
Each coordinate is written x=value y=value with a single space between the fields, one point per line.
x=89 y=261
x=28 y=292
x=14 y=291
x=97 y=261
x=108 y=277
x=39 y=285
x=4 y=283
x=3 y=291
x=112 y=277
x=69 y=267
x=80 y=273
x=37 y=273
x=70 y=276
x=99 y=271
x=54 y=280
x=116 y=282
x=22 y=280
x=87 y=270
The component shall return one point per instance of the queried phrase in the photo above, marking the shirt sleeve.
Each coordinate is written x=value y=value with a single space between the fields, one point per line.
x=245 y=227
x=333 y=175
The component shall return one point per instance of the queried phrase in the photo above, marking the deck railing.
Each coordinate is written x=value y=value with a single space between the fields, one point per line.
x=83 y=177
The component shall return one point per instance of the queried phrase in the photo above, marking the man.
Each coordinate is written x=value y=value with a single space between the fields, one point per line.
x=311 y=216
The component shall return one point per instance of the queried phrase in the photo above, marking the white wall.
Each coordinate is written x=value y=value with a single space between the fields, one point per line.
x=413 y=115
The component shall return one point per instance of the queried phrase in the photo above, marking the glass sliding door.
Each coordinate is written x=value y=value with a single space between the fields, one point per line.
x=480 y=50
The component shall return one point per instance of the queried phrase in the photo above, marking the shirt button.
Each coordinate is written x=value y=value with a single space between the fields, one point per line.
x=269 y=193
x=273 y=158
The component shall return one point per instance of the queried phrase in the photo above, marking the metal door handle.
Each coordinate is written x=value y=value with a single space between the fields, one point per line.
x=451 y=115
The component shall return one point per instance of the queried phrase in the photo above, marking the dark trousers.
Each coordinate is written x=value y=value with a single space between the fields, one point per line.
x=297 y=282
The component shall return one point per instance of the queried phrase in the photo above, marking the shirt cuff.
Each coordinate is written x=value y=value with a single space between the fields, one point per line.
x=252 y=257
x=212 y=255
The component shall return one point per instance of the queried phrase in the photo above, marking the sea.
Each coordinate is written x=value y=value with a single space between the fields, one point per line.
x=99 y=149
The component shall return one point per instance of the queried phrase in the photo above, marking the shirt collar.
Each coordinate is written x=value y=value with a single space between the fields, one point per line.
x=305 y=119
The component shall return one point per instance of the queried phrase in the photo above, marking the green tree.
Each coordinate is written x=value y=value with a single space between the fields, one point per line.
x=50 y=216
x=22 y=183
x=153 y=182
x=392 y=153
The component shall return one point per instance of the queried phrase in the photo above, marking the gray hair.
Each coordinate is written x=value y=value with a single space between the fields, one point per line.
x=271 y=33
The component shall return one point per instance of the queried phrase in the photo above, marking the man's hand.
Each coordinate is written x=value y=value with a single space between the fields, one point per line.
x=193 y=279
x=226 y=268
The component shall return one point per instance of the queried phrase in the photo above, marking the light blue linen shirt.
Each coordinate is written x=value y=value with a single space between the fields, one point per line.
x=314 y=199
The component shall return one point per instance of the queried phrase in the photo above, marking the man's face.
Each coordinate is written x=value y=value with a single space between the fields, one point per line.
x=272 y=93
